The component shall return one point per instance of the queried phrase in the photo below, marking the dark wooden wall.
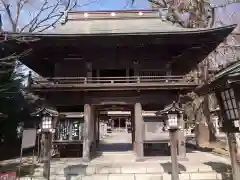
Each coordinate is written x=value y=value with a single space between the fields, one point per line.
x=77 y=66
x=149 y=99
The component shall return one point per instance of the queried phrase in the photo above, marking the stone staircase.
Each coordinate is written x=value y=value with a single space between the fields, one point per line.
x=122 y=165
x=127 y=170
x=141 y=171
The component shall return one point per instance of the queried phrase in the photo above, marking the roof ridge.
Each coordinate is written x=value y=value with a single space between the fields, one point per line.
x=227 y=70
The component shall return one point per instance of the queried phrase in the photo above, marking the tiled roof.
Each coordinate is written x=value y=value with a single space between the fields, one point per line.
x=171 y=107
x=99 y=22
x=232 y=69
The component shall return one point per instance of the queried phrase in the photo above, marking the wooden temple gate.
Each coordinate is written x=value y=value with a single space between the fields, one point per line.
x=87 y=63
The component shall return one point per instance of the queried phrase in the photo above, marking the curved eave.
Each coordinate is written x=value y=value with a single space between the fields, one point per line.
x=225 y=76
x=182 y=31
x=195 y=45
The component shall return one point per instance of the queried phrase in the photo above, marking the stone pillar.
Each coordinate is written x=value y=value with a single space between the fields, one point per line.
x=181 y=139
x=139 y=127
x=87 y=137
x=47 y=155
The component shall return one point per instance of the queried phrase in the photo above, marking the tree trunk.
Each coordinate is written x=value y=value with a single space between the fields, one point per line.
x=201 y=129
x=198 y=110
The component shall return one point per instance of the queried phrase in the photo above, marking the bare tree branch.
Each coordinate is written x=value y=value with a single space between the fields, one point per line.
x=160 y=4
x=53 y=15
x=34 y=19
x=43 y=14
x=9 y=14
x=200 y=13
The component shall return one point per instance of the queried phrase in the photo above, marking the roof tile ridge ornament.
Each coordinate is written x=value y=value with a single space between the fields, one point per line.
x=45 y=110
x=64 y=18
x=174 y=106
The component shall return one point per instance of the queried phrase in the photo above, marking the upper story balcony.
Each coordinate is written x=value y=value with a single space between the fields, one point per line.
x=113 y=83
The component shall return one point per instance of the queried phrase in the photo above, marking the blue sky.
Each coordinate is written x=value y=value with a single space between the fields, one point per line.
x=115 y=5
x=229 y=14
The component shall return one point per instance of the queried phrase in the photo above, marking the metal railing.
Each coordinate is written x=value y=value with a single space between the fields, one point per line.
x=114 y=80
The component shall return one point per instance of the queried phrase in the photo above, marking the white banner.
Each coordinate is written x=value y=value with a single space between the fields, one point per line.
x=29 y=138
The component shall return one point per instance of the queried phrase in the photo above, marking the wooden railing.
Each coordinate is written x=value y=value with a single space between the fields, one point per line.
x=114 y=80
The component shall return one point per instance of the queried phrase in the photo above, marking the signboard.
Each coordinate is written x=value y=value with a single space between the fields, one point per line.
x=154 y=129
x=29 y=138
x=8 y=176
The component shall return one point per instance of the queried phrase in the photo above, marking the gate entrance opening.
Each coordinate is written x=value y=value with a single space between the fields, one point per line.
x=120 y=138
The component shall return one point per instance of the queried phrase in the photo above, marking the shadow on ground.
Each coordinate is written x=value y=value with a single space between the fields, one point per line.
x=162 y=149
x=224 y=169
x=26 y=170
x=115 y=147
x=192 y=147
x=167 y=167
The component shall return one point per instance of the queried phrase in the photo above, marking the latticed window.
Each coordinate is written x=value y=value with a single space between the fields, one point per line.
x=229 y=104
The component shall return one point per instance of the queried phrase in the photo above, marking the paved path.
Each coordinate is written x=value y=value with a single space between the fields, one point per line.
x=116 y=142
x=121 y=165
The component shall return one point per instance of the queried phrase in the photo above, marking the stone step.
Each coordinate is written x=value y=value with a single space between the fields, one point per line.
x=115 y=153
x=130 y=168
x=139 y=176
x=130 y=171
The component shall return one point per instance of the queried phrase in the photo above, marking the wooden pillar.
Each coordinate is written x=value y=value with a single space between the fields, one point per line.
x=97 y=128
x=127 y=73
x=126 y=123
x=139 y=127
x=93 y=130
x=89 y=71
x=136 y=68
x=168 y=71
x=181 y=139
x=119 y=122
x=87 y=132
x=98 y=74
x=133 y=129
